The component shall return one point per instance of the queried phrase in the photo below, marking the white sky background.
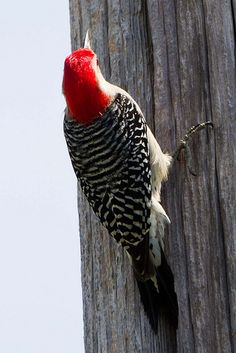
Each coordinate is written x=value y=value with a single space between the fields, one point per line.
x=40 y=294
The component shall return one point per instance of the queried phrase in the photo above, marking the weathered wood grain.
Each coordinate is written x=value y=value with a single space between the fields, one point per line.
x=177 y=59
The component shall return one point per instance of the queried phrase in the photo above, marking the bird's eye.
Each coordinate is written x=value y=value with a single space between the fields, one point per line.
x=97 y=62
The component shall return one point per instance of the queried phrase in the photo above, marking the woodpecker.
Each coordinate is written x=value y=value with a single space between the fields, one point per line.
x=120 y=167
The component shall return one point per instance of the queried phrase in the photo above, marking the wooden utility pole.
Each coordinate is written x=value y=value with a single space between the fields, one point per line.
x=177 y=59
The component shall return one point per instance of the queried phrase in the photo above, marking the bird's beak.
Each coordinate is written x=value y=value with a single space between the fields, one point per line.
x=87 y=40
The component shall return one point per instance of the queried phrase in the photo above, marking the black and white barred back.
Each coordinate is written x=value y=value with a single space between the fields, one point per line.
x=111 y=159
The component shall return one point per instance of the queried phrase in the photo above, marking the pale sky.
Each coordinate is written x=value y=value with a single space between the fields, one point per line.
x=40 y=293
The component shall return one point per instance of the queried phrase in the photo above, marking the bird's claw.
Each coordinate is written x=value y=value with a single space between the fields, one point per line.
x=183 y=146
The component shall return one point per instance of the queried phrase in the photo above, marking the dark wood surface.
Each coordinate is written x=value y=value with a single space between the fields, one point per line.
x=177 y=59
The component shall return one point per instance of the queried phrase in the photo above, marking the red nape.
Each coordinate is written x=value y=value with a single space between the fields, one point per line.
x=85 y=100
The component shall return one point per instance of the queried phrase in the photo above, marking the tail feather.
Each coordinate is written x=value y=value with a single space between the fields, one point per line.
x=151 y=302
x=165 y=298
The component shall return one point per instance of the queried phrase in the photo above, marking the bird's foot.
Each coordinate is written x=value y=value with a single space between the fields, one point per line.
x=183 y=146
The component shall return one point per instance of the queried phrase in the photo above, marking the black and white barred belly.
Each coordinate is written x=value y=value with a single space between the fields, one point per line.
x=111 y=159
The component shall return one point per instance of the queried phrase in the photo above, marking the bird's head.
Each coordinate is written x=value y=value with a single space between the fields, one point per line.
x=83 y=86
